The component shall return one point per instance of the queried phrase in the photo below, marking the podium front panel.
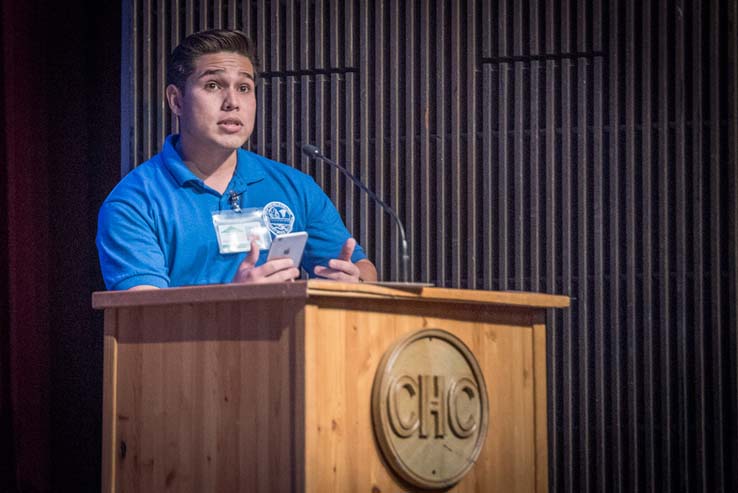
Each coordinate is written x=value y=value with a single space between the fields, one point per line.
x=202 y=397
x=345 y=340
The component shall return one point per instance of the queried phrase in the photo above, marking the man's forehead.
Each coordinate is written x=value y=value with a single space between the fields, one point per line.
x=223 y=62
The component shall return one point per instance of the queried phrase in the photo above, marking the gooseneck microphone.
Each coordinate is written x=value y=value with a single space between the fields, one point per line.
x=313 y=152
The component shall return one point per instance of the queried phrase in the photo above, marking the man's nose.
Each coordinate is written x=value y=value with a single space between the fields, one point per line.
x=230 y=101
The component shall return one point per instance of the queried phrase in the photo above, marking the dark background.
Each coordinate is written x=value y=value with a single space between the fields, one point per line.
x=583 y=147
x=61 y=156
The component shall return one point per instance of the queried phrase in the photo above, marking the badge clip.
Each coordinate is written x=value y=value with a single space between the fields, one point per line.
x=234 y=200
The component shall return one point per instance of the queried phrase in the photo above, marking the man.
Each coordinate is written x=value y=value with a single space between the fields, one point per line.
x=156 y=230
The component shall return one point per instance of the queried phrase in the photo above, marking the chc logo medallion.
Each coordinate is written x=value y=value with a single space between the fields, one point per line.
x=430 y=408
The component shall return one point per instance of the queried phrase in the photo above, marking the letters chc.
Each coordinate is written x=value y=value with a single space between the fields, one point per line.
x=435 y=404
x=429 y=404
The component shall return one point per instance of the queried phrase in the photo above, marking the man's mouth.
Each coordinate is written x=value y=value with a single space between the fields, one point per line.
x=231 y=124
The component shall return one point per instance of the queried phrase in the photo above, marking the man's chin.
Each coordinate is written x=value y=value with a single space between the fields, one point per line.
x=232 y=142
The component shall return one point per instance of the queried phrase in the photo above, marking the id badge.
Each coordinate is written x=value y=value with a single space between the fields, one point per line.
x=235 y=230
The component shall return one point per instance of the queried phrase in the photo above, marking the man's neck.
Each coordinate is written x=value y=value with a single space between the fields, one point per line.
x=214 y=167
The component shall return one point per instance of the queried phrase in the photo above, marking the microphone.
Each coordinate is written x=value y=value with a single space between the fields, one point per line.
x=313 y=152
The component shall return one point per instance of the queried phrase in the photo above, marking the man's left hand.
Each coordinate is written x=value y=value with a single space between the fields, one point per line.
x=342 y=269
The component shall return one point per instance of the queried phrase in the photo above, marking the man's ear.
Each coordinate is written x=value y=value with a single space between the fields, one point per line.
x=174 y=98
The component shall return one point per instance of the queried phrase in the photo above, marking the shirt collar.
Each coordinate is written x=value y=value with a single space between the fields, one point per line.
x=248 y=169
x=174 y=163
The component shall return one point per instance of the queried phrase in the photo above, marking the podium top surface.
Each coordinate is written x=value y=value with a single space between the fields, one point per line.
x=321 y=289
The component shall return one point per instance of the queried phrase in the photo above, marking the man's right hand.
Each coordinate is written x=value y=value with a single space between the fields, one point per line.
x=277 y=270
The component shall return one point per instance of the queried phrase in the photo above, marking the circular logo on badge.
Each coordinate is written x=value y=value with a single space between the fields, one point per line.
x=430 y=408
x=278 y=218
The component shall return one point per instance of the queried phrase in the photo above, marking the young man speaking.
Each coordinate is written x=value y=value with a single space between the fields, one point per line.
x=156 y=228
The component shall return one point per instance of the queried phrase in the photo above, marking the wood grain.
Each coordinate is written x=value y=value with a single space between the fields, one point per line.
x=541 y=405
x=345 y=341
x=110 y=392
x=206 y=395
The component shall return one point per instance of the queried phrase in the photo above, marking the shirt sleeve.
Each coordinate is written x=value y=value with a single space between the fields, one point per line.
x=128 y=248
x=326 y=231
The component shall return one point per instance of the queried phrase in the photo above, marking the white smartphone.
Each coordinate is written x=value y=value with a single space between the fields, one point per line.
x=290 y=245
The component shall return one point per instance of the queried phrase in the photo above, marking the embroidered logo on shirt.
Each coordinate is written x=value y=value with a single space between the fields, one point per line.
x=278 y=218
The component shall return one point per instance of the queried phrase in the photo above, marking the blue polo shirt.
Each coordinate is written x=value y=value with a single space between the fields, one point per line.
x=156 y=226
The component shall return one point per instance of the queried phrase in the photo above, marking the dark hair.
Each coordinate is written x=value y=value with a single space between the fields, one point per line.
x=181 y=61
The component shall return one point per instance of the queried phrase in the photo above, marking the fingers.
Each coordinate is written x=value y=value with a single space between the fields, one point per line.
x=273 y=271
x=244 y=271
x=338 y=270
x=347 y=250
x=284 y=274
x=269 y=272
x=253 y=255
x=275 y=266
x=341 y=268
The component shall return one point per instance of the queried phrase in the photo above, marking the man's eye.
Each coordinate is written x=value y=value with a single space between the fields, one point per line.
x=211 y=85
x=245 y=88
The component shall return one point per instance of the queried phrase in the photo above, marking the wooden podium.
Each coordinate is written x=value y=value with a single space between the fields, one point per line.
x=268 y=388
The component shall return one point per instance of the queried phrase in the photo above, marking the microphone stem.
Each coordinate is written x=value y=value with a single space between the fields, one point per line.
x=405 y=264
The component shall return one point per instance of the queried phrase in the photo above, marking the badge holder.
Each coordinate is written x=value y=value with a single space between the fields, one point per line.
x=235 y=229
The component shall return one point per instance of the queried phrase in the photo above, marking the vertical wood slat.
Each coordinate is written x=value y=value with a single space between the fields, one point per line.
x=376 y=135
x=149 y=102
x=488 y=152
x=393 y=162
x=716 y=233
x=631 y=334
x=502 y=257
x=232 y=17
x=413 y=218
x=175 y=35
x=129 y=83
x=601 y=457
x=697 y=417
x=217 y=9
x=582 y=241
x=162 y=49
x=365 y=151
x=276 y=63
x=335 y=103
x=680 y=193
x=261 y=132
x=349 y=118
x=204 y=17
x=304 y=62
x=427 y=250
x=292 y=110
x=319 y=106
x=471 y=255
x=534 y=159
x=517 y=233
x=732 y=138
x=617 y=456
x=647 y=298
x=459 y=212
x=663 y=253
x=247 y=16
x=440 y=160
x=189 y=16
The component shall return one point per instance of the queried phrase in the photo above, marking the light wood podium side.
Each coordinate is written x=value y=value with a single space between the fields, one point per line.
x=268 y=388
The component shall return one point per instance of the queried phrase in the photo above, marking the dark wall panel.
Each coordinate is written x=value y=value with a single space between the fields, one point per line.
x=583 y=147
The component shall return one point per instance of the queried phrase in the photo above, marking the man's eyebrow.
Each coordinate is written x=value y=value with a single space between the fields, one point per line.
x=216 y=71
